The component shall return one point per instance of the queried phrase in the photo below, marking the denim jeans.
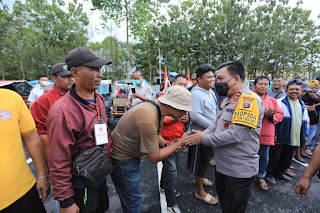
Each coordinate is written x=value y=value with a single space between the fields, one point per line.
x=312 y=132
x=169 y=178
x=263 y=161
x=126 y=179
x=316 y=138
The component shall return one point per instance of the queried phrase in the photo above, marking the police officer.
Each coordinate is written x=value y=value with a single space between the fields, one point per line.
x=234 y=137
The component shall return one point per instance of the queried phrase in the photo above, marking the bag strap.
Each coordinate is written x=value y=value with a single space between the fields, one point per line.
x=158 y=108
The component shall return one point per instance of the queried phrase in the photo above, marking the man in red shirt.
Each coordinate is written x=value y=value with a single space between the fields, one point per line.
x=63 y=81
x=272 y=114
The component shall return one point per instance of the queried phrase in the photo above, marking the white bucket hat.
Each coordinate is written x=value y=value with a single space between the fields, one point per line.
x=177 y=97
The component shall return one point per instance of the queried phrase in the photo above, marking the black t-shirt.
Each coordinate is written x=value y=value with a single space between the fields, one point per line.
x=313 y=115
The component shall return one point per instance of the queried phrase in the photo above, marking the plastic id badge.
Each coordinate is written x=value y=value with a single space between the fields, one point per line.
x=100 y=132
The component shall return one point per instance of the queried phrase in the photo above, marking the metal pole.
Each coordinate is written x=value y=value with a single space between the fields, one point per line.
x=160 y=63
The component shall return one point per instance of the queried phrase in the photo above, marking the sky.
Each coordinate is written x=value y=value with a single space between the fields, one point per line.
x=97 y=33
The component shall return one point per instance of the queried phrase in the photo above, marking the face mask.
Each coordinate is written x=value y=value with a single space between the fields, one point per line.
x=222 y=88
x=44 y=83
x=137 y=82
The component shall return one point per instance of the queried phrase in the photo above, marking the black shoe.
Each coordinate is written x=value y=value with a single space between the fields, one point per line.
x=146 y=208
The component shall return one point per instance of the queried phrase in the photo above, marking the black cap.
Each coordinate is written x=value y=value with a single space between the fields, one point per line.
x=60 y=69
x=295 y=82
x=84 y=56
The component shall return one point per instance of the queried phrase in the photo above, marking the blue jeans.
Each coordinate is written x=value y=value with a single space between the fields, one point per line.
x=126 y=179
x=312 y=132
x=169 y=178
x=263 y=161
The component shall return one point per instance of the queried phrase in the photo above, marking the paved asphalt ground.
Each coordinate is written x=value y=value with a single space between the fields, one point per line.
x=280 y=198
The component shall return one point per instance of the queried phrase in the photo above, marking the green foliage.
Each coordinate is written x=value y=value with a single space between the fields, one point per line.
x=40 y=34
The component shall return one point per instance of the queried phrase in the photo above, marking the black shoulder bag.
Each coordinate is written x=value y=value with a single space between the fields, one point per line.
x=93 y=165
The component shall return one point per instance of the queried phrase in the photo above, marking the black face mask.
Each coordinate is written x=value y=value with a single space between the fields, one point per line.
x=222 y=88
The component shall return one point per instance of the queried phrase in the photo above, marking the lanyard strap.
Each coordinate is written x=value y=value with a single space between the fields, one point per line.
x=99 y=111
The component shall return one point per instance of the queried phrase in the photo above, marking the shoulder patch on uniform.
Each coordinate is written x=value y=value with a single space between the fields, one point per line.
x=247 y=111
x=5 y=114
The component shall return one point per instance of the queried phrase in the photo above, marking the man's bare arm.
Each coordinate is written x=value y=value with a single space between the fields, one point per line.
x=35 y=150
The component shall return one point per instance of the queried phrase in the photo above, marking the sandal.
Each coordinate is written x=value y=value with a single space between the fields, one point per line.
x=206 y=182
x=208 y=199
x=261 y=183
x=290 y=173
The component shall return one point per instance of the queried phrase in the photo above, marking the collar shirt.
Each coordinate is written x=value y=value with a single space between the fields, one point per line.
x=235 y=145
x=35 y=93
x=70 y=130
x=41 y=106
x=144 y=90
x=274 y=94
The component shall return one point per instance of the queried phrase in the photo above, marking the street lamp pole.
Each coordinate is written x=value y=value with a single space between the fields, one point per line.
x=159 y=63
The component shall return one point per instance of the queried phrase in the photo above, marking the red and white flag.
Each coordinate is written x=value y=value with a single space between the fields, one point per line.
x=166 y=82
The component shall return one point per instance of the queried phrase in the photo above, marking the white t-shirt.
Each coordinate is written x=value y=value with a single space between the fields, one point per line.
x=35 y=93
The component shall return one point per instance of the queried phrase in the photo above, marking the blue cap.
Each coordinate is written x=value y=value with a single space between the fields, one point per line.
x=173 y=74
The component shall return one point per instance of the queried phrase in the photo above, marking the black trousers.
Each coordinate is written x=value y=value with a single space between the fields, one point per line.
x=28 y=203
x=233 y=193
x=198 y=159
x=280 y=157
x=92 y=199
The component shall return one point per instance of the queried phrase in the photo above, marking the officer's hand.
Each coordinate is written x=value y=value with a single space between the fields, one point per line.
x=302 y=187
x=194 y=139
x=71 y=209
x=128 y=105
x=43 y=188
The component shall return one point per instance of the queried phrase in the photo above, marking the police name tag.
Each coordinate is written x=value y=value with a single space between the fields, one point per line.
x=100 y=132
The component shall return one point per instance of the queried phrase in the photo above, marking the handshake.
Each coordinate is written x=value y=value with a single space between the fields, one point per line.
x=188 y=140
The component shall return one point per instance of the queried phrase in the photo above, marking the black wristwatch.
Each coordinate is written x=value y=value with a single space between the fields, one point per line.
x=166 y=144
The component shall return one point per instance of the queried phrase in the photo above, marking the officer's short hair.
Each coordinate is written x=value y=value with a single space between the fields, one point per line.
x=204 y=69
x=235 y=68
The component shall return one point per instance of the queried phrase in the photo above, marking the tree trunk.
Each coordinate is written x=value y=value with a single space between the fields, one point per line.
x=128 y=47
x=2 y=70
x=22 y=71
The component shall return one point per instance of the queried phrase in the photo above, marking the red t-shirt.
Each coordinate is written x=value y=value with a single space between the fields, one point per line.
x=171 y=131
x=41 y=106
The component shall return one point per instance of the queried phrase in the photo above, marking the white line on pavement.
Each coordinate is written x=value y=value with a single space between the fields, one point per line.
x=163 y=201
x=303 y=164
x=29 y=160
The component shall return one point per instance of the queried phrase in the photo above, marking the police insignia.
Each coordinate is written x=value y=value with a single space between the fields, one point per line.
x=222 y=104
x=247 y=111
x=246 y=105
x=5 y=114
x=226 y=125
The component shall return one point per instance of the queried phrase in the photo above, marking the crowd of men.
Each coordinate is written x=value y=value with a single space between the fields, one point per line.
x=250 y=134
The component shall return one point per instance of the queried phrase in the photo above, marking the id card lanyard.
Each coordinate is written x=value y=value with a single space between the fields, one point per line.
x=100 y=128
